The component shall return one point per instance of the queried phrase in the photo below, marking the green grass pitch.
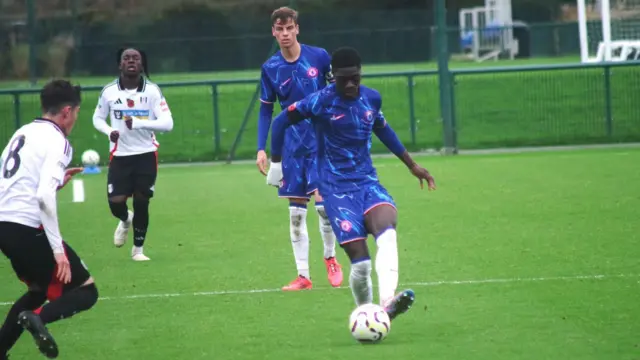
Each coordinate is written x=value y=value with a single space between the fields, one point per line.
x=518 y=256
x=492 y=110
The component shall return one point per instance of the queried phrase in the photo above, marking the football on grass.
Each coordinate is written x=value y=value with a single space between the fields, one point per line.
x=369 y=324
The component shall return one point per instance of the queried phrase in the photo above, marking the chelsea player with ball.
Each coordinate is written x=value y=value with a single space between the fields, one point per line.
x=345 y=115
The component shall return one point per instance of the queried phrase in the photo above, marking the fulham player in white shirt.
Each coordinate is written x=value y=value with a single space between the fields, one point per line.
x=33 y=167
x=137 y=109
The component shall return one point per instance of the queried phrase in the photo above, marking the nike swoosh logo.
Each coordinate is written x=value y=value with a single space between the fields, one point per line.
x=337 y=117
x=285 y=82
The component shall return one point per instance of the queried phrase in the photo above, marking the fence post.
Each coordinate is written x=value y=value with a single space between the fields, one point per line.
x=412 y=110
x=216 y=119
x=607 y=107
x=16 y=109
x=444 y=77
x=452 y=106
x=32 y=26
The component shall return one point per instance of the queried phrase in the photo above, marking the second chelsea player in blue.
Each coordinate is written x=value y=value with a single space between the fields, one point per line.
x=345 y=115
x=294 y=72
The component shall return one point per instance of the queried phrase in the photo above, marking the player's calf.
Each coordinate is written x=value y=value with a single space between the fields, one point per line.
x=381 y=222
x=118 y=206
x=300 y=244
x=360 y=275
x=69 y=304
x=334 y=270
x=328 y=237
x=140 y=219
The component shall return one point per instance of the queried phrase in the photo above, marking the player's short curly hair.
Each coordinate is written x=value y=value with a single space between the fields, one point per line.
x=143 y=58
x=345 y=57
x=283 y=14
x=57 y=94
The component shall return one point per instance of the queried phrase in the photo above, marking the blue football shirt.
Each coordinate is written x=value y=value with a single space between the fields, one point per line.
x=344 y=130
x=288 y=82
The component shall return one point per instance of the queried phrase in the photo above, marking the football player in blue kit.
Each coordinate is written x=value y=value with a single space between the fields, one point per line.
x=294 y=72
x=345 y=115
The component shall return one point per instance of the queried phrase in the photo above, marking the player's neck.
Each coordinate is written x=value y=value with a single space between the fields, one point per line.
x=292 y=53
x=52 y=119
x=129 y=82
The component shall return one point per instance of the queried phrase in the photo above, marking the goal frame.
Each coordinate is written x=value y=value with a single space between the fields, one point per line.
x=609 y=50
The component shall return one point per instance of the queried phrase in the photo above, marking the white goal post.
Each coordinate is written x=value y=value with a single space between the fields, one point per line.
x=609 y=30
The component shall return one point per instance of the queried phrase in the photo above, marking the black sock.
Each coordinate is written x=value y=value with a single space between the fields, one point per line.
x=119 y=210
x=69 y=304
x=140 y=220
x=11 y=330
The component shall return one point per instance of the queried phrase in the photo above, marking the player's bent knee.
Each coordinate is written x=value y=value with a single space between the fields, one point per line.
x=139 y=196
x=317 y=196
x=92 y=291
x=298 y=201
x=118 y=199
x=37 y=297
x=356 y=250
x=35 y=289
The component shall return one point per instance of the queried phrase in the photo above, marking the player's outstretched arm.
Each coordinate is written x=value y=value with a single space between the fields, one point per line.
x=390 y=139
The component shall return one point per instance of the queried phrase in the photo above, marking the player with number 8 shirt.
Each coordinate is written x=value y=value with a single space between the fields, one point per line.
x=33 y=167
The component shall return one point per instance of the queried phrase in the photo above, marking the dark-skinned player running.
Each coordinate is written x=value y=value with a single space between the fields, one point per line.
x=137 y=109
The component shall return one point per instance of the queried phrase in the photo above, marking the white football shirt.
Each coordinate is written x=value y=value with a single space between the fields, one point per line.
x=37 y=147
x=146 y=104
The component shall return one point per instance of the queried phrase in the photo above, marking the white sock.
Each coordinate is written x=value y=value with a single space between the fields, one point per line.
x=299 y=239
x=387 y=265
x=328 y=237
x=360 y=282
x=136 y=250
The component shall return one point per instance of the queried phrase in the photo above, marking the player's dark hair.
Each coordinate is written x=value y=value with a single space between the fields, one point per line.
x=283 y=14
x=143 y=58
x=57 y=94
x=345 y=57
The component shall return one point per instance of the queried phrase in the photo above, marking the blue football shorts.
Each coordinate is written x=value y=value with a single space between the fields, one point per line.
x=347 y=210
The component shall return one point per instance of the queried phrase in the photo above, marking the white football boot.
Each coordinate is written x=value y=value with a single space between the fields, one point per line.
x=122 y=231
x=138 y=255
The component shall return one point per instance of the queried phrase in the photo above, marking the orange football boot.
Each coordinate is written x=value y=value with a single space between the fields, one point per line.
x=300 y=283
x=334 y=271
